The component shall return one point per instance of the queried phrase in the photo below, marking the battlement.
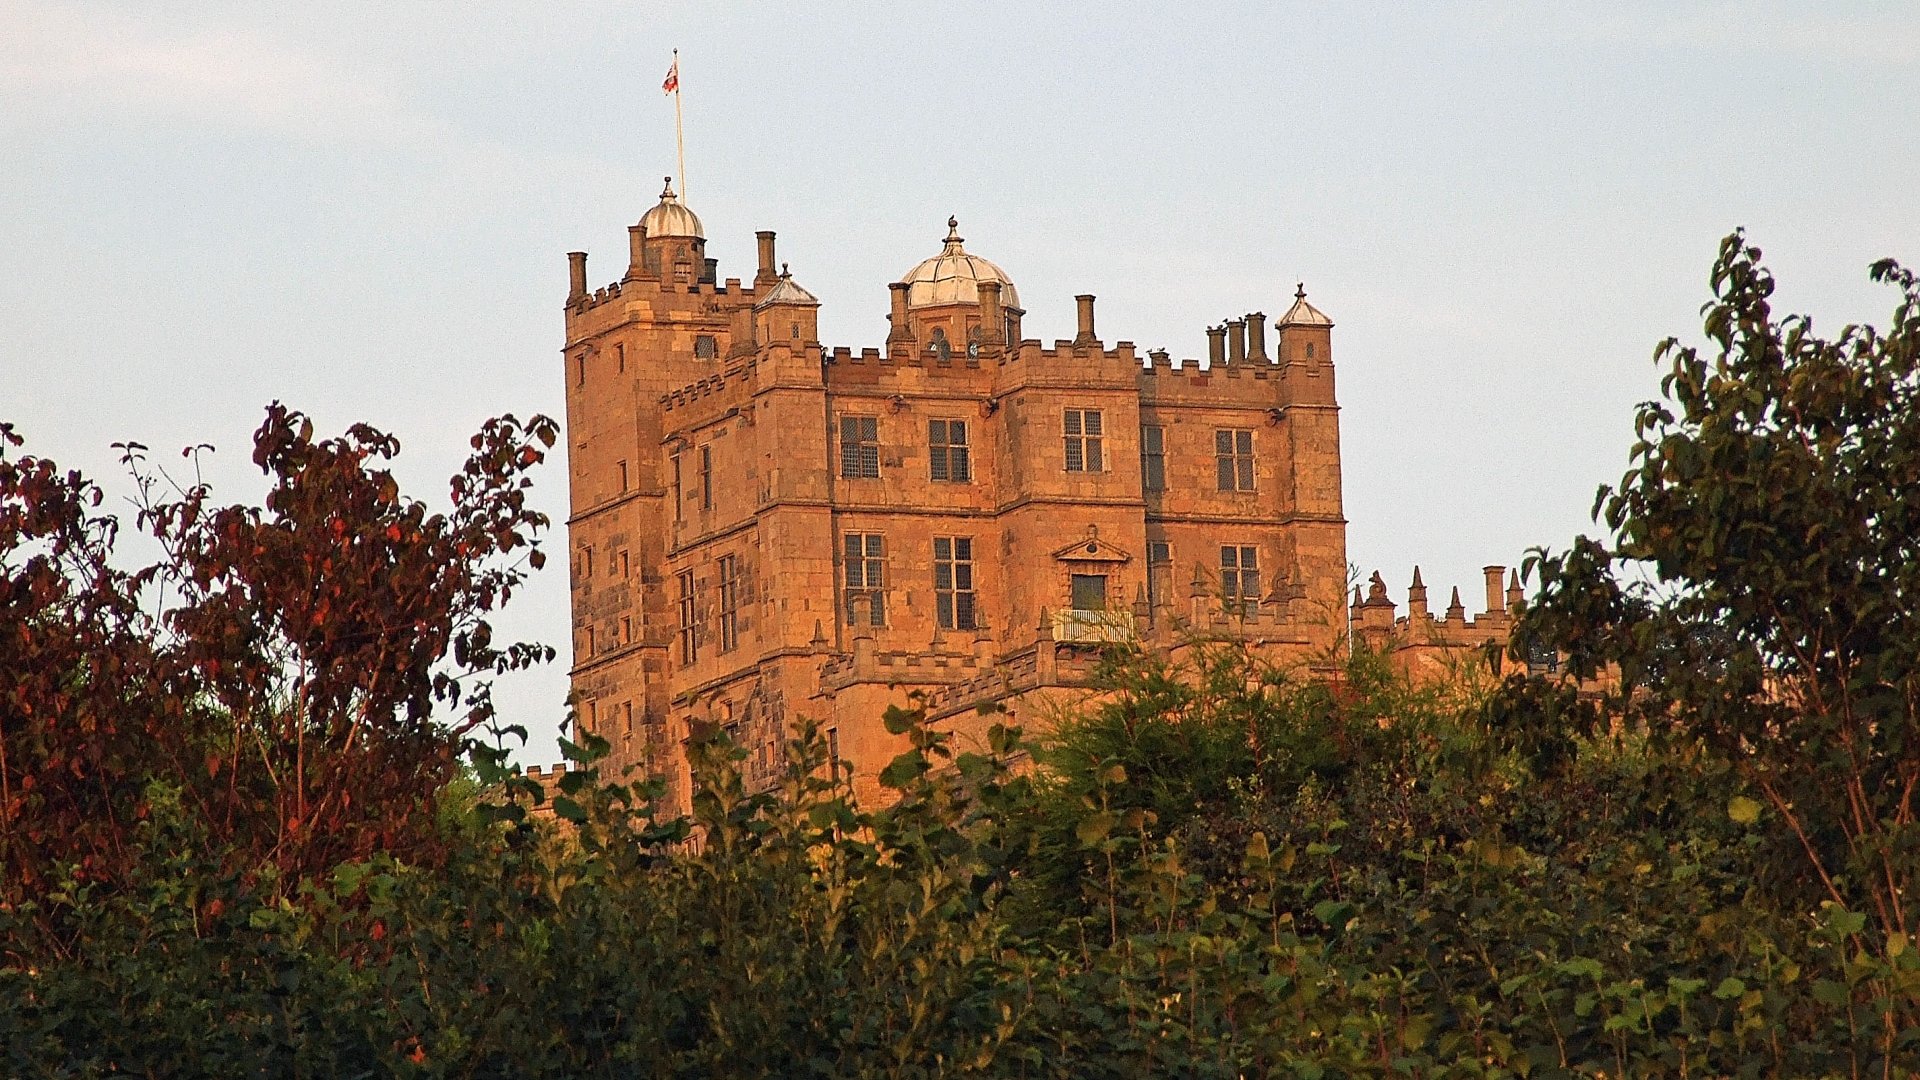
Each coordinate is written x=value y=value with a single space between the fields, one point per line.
x=841 y=354
x=1374 y=618
x=553 y=773
x=734 y=385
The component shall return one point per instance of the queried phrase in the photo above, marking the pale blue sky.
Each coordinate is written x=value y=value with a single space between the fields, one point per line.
x=363 y=209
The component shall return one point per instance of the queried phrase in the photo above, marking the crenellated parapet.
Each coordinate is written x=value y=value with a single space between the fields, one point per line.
x=1421 y=640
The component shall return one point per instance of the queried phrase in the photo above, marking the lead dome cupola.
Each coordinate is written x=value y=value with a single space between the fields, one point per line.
x=954 y=276
x=670 y=218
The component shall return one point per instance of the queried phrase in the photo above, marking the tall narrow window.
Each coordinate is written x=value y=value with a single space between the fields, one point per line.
x=706 y=478
x=626 y=564
x=1233 y=452
x=1240 y=579
x=953 y=582
x=729 y=602
x=865 y=558
x=626 y=629
x=860 y=447
x=580 y=367
x=689 y=642
x=679 y=486
x=623 y=478
x=1153 y=458
x=1159 y=570
x=589 y=642
x=1083 y=433
x=620 y=357
x=590 y=721
x=833 y=745
x=947 y=452
x=586 y=562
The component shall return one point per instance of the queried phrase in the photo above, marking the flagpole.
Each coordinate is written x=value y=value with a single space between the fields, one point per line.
x=679 y=133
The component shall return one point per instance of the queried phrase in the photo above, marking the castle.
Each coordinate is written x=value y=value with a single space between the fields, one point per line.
x=763 y=527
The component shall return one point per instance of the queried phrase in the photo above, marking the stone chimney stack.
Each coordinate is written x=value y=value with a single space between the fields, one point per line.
x=766 y=274
x=1236 y=341
x=1496 y=589
x=1085 y=304
x=1013 y=325
x=993 y=320
x=900 y=337
x=636 y=251
x=1216 y=345
x=1257 y=337
x=576 y=276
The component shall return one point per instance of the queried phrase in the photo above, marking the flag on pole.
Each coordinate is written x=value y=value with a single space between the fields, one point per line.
x=673 y=78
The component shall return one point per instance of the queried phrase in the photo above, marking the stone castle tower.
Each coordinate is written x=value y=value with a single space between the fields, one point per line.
x=763 y=527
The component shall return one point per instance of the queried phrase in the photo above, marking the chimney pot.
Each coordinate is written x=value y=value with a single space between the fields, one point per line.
x=992 y=318
x=900 y=333
x=1084 y=302
x=1496 y=589
x=576 y=276
x=766 y=276
x=1216 y=345
x=1236 y=341
x=636 y=251
x=1257 y=337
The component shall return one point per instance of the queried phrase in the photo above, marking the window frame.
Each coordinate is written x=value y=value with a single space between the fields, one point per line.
x=871 y=559
x=1083 y=433
x=944 y=452
x=860 y=453
x=1240 y=579
x=956 y=601
x=689 y=618
x=1233 y=459
x=728 y=586
x=706 y=478
x=1153 y=457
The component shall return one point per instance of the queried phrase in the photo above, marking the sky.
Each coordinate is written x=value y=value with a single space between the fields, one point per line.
x=363 y=210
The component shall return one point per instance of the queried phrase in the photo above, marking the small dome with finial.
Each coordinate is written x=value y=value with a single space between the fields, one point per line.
x=954 y=277
x=787 y=291
x=1303 y=313
x=670 y=218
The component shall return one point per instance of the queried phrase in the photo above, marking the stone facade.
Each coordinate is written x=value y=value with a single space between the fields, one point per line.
x=763 y=527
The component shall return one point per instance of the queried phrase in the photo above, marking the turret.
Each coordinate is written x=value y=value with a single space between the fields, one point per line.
x=787 y=313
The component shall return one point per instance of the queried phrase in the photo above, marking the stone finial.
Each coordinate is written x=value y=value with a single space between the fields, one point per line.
x=1516 y=596
x=1456 y=611
x=1417 y=595
x=1376 y=588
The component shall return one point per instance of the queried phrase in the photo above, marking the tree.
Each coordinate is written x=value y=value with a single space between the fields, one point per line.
x=287 y=670
x=1760 y=590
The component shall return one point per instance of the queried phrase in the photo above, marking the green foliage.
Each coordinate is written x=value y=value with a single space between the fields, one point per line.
x=1760 y=592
